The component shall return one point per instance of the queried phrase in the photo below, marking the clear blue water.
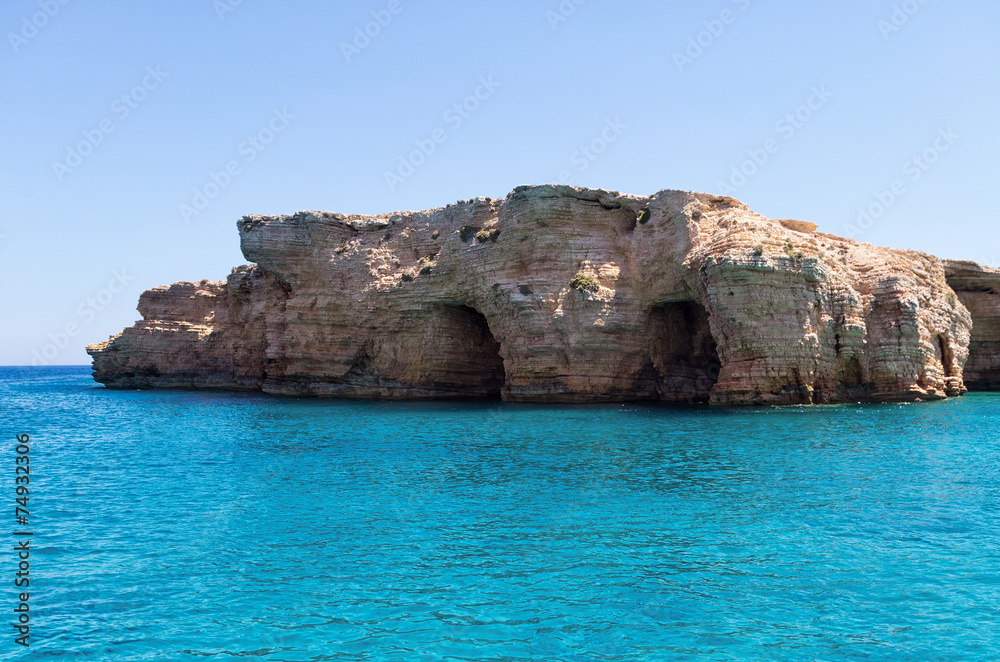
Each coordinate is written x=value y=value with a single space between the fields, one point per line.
x=213 y=526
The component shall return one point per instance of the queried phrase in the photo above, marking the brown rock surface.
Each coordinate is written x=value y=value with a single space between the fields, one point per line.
x=206 y=334
x=799 y=226
x=555 y=294
x=979 y=289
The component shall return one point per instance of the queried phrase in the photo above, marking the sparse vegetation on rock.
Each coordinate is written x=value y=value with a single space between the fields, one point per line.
x=489 y=234
x=584 y=282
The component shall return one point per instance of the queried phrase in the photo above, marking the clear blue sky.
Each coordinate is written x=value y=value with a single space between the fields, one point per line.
x=555 y=86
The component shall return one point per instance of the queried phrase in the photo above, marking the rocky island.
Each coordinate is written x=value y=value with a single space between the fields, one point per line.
x=563 y=294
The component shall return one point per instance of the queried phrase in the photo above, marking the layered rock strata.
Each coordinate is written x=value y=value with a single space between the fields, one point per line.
x=978 y=288
x=560 y=294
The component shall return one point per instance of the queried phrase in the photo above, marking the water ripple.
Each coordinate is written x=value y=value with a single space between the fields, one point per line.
x=175 y=525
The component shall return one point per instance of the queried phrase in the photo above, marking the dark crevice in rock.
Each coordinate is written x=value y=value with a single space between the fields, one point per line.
x=851 y=383
x=684 y=353
x=945 y=355
x=466 y=356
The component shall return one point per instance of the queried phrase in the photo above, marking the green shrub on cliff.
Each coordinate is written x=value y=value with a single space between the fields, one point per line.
x=584 y=282
x=797 y=257
x=489 y=234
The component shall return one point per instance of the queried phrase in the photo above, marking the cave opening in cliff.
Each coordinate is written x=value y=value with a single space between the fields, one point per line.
x=852 y=375
x=683 y=351
x=466 y=355
x=945 y=356
x=851 y=381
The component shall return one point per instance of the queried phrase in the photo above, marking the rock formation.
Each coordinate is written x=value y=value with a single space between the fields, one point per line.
x=561 y=294
x=978 y=288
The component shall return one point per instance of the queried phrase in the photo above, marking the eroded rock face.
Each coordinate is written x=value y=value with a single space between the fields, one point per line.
x=207 y=334
x=979 y=289
x=556 y=294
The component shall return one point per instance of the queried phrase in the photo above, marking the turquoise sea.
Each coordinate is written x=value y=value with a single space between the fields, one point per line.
x=224 y=527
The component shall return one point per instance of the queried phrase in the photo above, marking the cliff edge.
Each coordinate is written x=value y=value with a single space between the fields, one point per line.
x=563 y=294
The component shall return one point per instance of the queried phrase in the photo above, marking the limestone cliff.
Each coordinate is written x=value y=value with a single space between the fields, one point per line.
x=979 y=289
x=560 y=294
